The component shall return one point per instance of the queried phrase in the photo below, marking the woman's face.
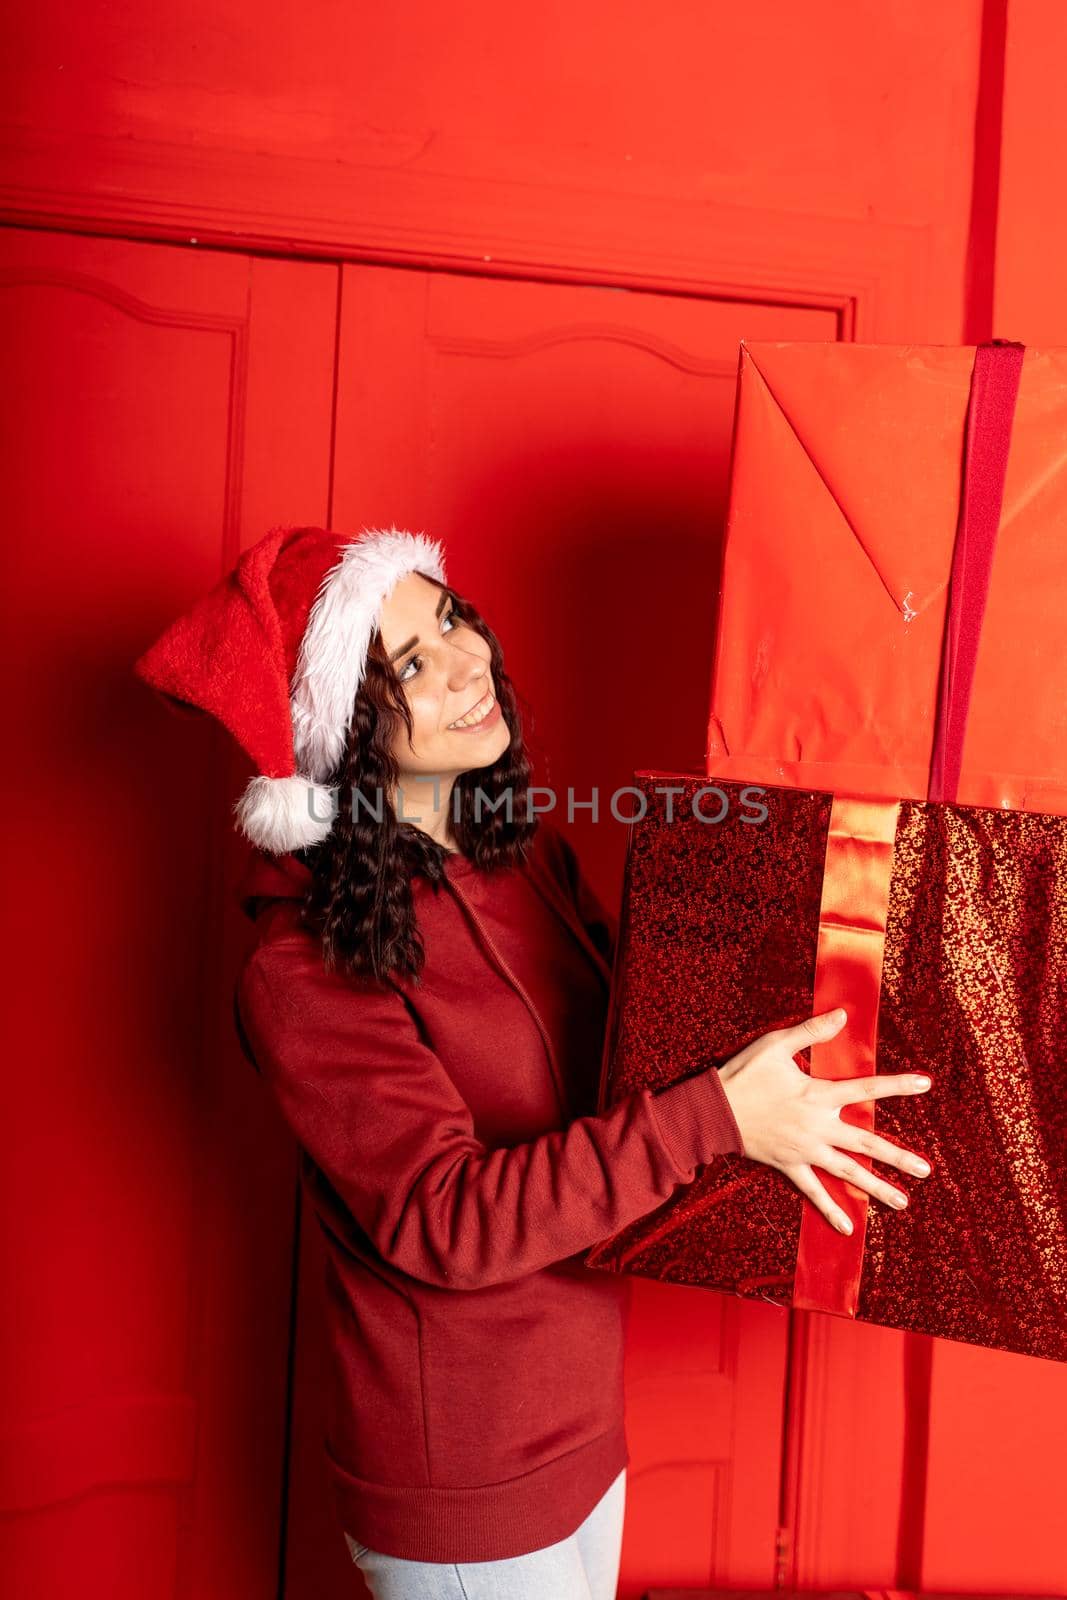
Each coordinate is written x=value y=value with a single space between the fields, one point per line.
x=445 y=671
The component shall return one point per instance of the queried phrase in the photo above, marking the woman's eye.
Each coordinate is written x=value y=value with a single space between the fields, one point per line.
x=449 y=616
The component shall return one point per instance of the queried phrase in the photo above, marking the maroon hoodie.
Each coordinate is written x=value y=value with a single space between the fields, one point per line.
x=459 y=1171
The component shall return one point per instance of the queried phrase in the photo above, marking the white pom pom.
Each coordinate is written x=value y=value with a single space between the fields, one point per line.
x=282 y=814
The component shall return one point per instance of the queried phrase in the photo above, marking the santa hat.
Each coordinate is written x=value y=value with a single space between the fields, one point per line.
x=276 y=652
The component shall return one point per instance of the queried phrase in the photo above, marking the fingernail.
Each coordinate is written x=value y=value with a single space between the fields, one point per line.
x=924 y=1083
x=840 y=1014
x=921 y=1168
x=845 y=1225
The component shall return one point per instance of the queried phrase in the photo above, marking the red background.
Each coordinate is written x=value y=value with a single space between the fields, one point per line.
x=483 y=274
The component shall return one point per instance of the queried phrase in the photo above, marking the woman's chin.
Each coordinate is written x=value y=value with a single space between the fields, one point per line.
x=488 y=749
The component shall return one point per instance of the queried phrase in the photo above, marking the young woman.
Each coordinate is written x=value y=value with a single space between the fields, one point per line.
x=427 y=998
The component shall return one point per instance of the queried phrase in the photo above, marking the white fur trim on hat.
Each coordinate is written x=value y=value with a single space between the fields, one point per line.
x=282 y=814
x=341 y=623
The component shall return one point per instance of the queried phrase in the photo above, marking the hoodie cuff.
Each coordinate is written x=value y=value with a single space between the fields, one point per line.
x=696 y=1121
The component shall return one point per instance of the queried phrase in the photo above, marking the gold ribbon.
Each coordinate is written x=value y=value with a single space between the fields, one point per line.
x=848 y=972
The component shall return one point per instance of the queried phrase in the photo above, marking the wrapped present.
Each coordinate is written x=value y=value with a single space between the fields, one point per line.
x=941 y=927
x=840 y=539
x=943 y=931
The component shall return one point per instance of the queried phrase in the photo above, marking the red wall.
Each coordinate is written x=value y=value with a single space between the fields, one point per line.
x=486 y=275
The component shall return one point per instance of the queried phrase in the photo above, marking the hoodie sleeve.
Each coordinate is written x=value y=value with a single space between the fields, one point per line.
x=376 y=1110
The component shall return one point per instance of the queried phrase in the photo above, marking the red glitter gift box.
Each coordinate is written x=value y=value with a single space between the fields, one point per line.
x=943 y=931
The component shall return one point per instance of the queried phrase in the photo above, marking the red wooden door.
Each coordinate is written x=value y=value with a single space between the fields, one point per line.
x=570 y=445
x=147 y=1190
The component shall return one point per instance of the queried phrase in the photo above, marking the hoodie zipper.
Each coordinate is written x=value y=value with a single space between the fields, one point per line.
x=575 y=927
x=561 y=1098
x=607 y=972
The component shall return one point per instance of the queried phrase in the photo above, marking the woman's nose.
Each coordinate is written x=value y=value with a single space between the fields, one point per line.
x=468 y=668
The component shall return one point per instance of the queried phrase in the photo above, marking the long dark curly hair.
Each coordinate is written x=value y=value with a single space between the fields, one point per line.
x=360 y=902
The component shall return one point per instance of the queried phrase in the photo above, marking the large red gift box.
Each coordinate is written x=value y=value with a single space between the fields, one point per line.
x=930 y=899
x=845 y=488
x=943 y=930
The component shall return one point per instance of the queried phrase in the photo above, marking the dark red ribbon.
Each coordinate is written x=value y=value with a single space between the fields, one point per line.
x=987 y=439
x=990 y=413
x=856 y=887
x=859 y=846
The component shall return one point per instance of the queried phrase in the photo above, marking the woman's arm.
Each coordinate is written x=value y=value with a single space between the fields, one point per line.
x=377 y=1112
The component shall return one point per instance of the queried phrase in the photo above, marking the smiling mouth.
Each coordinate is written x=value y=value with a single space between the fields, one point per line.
x=477 y=713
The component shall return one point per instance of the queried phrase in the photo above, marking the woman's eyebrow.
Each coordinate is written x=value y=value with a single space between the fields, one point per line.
x=445 y=596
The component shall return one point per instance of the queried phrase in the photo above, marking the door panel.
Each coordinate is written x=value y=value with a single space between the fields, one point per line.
x=570 y=445
x=149 y=1190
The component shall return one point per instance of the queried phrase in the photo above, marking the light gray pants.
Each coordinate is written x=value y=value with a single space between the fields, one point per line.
x=584 y=1566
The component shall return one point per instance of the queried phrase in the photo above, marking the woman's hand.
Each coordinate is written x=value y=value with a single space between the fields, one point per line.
x=791 y=1121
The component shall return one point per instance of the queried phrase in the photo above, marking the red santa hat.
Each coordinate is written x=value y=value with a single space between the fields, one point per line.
x=276 y=652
